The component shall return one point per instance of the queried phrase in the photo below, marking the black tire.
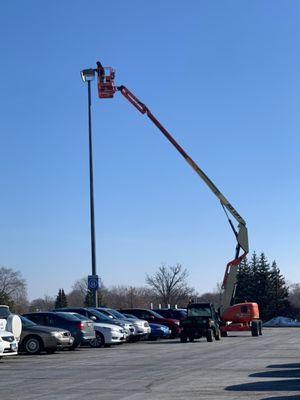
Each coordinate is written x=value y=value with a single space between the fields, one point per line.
x=255 y=328
x=209 y=335
x=260 y=328
x=74 y=346
x=51 y=351
x=183 y=339
x=99 y=341
x=224 y=334
x=191 y=338
x=33 y=345
x=218 y=335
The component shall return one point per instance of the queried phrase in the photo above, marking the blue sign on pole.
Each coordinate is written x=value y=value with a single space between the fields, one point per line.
x=93 y=282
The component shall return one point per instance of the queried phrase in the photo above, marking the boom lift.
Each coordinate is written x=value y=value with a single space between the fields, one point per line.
x=234 y=317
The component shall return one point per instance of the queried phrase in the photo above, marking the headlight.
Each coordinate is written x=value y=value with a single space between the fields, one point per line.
x=56 y=334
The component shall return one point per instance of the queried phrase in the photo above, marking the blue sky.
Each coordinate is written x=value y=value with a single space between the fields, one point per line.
x=222 y=76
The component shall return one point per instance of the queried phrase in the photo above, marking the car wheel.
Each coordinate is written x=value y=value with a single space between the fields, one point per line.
x=99 y=341
x=33 y=345
x=51 y=351
x=74 y=346
x=260 y=327
x=209 y=335
x=183 y=339
x=224 y=334
x=191 y=338
x=254 y=328
x=218 y=335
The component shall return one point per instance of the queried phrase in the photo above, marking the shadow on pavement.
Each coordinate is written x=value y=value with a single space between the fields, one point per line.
x=297 y=397
x=292 y=365
x=165 y=342
x=285 y=373
x=279 y=386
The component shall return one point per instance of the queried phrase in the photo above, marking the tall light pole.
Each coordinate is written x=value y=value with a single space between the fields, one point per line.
x=88 y=75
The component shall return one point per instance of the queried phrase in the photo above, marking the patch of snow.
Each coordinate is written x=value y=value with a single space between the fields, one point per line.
x=281 y=322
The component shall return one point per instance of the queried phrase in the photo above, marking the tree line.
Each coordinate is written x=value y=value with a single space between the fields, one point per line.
x=258 y=281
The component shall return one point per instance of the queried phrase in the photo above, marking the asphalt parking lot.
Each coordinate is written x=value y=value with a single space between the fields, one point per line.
x=239 y=367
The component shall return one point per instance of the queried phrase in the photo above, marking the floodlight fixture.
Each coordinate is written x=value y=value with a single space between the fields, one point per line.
x=87 y=74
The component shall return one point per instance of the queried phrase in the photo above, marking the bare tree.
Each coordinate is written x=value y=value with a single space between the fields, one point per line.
x=13 y=286
x=170 y=284
x=76 y=298
x=214 y=297
x=294 y=294
x=42 y=304
x=129 y=297
x=80 y=290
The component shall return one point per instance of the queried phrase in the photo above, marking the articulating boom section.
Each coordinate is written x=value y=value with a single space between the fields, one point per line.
x=107 y=88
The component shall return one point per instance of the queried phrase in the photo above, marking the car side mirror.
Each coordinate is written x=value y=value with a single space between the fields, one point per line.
x=93 y=318
x=151 y=317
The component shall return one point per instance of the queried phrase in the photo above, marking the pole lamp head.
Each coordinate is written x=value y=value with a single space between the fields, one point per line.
x=87 y=74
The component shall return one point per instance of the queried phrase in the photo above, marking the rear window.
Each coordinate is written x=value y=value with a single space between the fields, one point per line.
x=199 y=312
x=68 y=316
x=26 y=323
x=4 y=312
x=81 y=317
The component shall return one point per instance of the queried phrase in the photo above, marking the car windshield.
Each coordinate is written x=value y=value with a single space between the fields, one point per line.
x=26 y=323
x=116 y=314
x=156 y=315
x=199 y=312
x=100 y=316
x=130 y=316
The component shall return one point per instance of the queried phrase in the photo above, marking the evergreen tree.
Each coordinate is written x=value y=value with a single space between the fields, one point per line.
x=258 y=282
x=64 y=301
x=61 y=299
x=244 y=285
x=261 y=276
x=277 y=294
x=89 y=299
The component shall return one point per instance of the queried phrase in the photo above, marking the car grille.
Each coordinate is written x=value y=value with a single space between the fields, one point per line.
x=9 y=339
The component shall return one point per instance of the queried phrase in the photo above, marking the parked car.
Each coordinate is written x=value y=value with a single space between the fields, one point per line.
x=152 y=317
x=8 y=343
x=143 y=327
x=37 y=338
x=136 y=329
x=106 y=334
x=159 y=332
x=81 y=332
x=96 y=317
x=174 y=313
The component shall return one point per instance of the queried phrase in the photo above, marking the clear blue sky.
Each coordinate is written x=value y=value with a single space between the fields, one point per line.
x=223 y=76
